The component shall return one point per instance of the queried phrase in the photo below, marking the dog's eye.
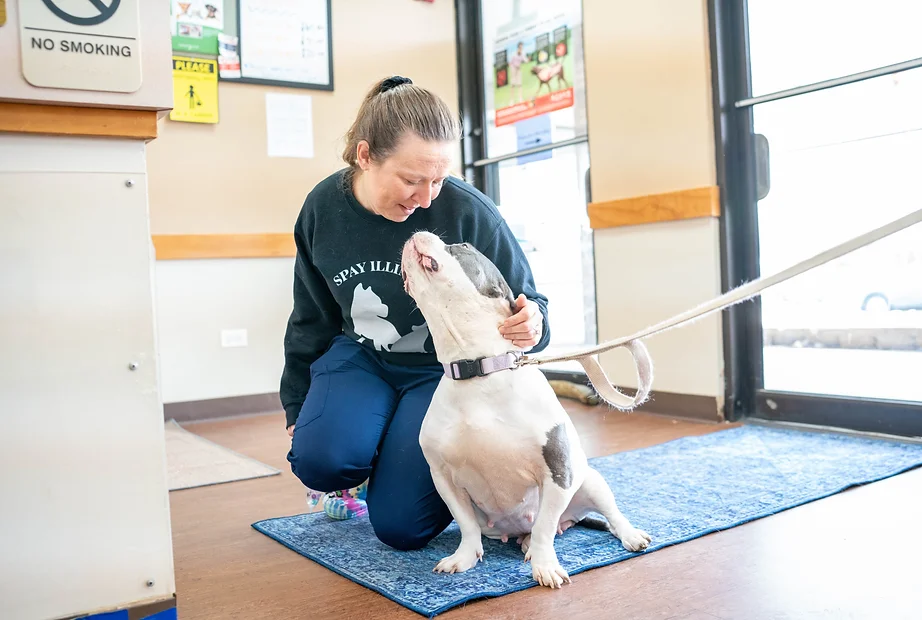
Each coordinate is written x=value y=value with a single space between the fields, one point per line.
x=433 y=265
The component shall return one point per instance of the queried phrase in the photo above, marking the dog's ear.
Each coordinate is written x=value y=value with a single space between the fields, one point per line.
x=500 y=288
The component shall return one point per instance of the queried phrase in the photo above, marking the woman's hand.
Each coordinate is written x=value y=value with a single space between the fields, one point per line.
x=524 y=328
x=291 y=430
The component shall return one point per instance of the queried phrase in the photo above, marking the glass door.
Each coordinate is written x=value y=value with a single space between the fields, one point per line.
x=826 y=115
x=526 y=146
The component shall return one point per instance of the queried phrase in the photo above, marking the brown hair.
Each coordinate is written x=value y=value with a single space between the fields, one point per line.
x=391 y=108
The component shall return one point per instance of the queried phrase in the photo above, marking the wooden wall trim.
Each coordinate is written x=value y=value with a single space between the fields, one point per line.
x=186 y=247
x=673 y=206
x=63 y=120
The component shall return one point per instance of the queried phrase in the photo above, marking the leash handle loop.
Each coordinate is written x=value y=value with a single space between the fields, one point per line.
x=598 y=378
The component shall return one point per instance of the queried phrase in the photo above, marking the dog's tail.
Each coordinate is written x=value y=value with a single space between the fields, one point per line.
x=576 y=391
x=594 y=524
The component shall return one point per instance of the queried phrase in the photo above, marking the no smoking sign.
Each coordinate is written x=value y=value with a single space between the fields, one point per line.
x=81 y=44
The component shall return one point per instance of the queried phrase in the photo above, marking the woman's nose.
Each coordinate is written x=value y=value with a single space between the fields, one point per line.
x=423 y=196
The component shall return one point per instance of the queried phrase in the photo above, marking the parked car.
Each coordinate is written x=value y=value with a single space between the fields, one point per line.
x=900 y=289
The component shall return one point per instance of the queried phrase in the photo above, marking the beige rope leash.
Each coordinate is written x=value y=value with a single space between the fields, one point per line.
x=642 y=362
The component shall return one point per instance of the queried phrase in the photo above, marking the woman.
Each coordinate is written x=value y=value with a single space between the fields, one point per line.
x=360 y=368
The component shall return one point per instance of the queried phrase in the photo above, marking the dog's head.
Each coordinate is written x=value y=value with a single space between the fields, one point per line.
x=455 y=286
x=435 y=273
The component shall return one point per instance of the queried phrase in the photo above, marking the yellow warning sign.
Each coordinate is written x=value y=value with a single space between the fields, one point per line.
x=195 y=90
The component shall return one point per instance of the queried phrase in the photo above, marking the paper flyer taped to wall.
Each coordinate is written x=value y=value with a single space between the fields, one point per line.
x=195 y=90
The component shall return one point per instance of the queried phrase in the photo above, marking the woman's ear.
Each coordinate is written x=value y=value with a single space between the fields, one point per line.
x=363 y=155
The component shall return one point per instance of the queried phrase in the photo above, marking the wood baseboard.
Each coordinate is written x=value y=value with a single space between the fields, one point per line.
x=196 y=410
x=63 y=120
x=672 y=404
x=672 y=206
x=191 y=247
x=687 y=406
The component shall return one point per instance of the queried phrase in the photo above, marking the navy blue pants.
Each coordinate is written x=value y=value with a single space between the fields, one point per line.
x=360 y=421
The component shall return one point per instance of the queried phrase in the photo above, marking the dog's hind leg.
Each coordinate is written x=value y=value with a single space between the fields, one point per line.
x=596 y=493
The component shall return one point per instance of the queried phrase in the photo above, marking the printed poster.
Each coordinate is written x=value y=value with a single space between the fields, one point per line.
x=195 y=90
x=534 y=69
x=196 y=25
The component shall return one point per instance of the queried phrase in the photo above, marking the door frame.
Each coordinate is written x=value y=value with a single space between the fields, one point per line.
x=745 y=393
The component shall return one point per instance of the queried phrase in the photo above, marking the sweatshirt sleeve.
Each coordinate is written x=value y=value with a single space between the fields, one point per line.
x=502 y=248
x=315 y=320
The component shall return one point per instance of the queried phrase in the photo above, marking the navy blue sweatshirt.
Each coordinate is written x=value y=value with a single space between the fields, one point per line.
x=347 y=276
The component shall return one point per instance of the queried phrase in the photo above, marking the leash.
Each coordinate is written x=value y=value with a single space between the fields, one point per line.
x=642 y=362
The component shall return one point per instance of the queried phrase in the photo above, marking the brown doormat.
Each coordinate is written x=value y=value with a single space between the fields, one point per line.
x=194 y=461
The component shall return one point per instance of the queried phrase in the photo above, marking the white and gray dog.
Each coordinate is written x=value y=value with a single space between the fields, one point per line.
x=504 y=455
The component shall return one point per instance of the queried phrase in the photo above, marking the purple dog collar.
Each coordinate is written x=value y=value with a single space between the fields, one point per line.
x=461 y=370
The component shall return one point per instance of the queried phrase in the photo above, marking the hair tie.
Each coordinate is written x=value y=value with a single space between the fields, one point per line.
x=393 y=82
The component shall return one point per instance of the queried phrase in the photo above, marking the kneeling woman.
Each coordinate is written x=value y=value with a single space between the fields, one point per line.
x=360 y=369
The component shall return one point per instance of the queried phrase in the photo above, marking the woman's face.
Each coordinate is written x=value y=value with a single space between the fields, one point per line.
x=409 y=179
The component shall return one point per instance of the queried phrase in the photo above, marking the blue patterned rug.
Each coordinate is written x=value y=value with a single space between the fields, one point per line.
x=675 y=491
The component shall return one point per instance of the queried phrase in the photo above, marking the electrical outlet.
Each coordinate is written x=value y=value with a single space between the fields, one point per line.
x=233 y=337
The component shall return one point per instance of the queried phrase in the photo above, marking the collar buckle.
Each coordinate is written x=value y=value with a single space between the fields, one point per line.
x=466 y=369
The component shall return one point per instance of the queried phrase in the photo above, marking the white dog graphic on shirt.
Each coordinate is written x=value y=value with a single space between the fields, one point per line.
x=368 y=312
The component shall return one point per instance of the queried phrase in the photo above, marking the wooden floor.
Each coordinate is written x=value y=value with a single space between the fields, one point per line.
x=857 y=554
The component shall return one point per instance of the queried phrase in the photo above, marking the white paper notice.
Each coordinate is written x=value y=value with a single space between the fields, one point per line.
x=289 y=125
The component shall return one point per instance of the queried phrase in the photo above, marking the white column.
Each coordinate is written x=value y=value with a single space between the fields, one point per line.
x=85 y=521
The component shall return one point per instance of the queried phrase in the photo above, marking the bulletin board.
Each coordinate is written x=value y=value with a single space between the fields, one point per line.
x=285 y=43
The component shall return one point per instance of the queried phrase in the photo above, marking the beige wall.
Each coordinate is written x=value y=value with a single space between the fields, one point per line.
x=651 y=131
x=218 y=179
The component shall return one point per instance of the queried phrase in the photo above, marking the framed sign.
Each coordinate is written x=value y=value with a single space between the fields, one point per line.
x=81 y=45
x=279 y=43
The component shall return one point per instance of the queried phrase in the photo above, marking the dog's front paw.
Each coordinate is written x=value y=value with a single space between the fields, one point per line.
x=461 y=560
x=635 y=540
x=546 y=570
x=549 y=574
